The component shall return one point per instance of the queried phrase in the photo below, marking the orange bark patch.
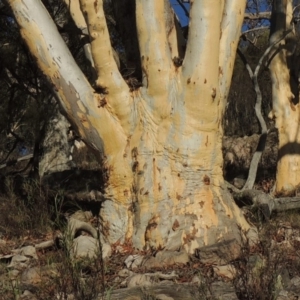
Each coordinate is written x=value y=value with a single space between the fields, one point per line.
x=178 y=197
x=201 y=203
x=175 y=225
x=220 y=71
x=188 y=238
x=159 y=187
x=213 y=93
x=152 y=235
x=206 y=203
x=206 y=180
x=95 y=6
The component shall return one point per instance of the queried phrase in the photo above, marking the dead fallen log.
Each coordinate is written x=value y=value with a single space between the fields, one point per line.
x=171 y=290
x=286 y=203
x=265 y=203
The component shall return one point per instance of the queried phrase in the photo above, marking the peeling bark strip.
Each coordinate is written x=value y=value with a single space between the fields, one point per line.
x=161 y=143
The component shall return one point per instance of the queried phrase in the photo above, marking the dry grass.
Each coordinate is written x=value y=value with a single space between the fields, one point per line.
x=24 y=209
x=28 y=215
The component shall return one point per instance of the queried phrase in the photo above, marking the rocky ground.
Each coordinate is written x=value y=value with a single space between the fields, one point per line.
x=50 y=248
x=70 y=263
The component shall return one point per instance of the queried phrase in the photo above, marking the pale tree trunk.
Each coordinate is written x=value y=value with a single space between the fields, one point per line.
x=285 y=101
x=55 y=153
x=161 y=144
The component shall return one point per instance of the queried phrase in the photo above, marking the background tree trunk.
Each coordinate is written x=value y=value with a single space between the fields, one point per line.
x=285 y=102
x=55 y=153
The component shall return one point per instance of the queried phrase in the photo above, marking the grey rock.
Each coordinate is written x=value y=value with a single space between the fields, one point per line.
x=75 y=225
x=87 y=246
x=223 y=291
x=125 y=273
x=18 y=262
x=31 y=276
x=13 y=274
x=133 y=261
x=140 y=280
x=292 y=291
x=29 y=251
x=220 y=253
x=166 y=258
x=27 y=295
x=226 y=272
x=239 y=182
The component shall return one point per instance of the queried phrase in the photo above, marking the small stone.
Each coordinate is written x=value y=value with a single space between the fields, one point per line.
x=163 y=297
x=166 y=258
x=29 y=251
x=125 y=273
x=223 y=290
x=80 y=215
x=18 y=261
x=239 y=182
x=133 y=261
x=27 y=295
x=120 y=249
x=87 y=246
x=140 y=280
x=31 y=276
x=196 y=280
x=227 y=271
x=13 y=274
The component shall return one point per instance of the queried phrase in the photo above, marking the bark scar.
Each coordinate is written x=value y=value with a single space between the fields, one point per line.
x=206 y=180
x=95 y=6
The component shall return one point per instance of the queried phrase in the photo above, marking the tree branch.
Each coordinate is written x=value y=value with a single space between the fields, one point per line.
x=109 y=77
x=14 y=161
x=258 y=16
x=255 y=29
x=155 y=54
x=200 y=68
x=78 y=18
x=80 y=102
x=110 y=80
x=233 y=14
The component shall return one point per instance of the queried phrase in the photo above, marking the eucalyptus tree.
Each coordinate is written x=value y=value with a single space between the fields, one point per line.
x=160 y=138
x=282 y=58
x=284 y=70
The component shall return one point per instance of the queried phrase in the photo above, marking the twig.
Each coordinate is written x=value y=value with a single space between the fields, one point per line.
x=184 y=8
x=264 y=131
x=258 y=16
x=255 y=29
x=14 y=161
